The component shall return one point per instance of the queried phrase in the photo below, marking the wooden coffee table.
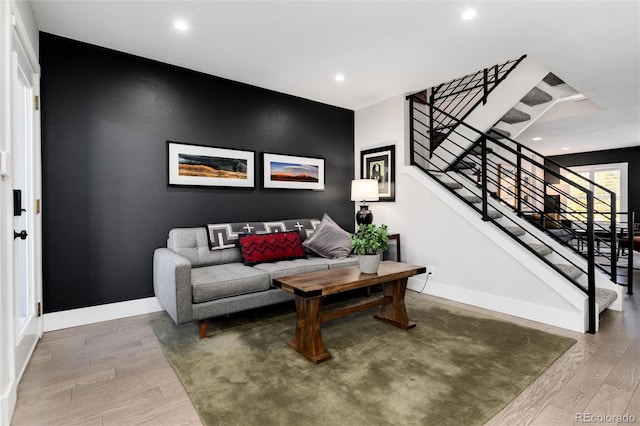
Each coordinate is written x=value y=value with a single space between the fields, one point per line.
x=310 y=290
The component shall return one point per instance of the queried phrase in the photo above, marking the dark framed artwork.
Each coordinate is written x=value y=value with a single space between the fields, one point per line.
x=380 y=164
x=281 y=171
x=198 y=165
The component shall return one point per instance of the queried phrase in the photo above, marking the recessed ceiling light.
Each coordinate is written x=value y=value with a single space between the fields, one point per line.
x=468 y=14
x=566 y=148
x=180 y=25
x=537 y=138
x=339 y=77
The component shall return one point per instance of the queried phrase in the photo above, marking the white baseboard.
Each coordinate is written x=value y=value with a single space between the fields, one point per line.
x=8 y=403
x=93 y=314
x=568 y=320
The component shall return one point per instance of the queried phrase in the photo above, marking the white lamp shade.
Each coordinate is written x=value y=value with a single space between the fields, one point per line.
x=364 y=190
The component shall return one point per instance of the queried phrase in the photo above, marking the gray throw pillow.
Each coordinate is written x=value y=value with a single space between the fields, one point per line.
x=329 y=240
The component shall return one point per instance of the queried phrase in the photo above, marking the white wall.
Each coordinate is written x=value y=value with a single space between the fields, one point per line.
x=474 y=262
x=26 y=29
x=6 y=354
x=28 y=25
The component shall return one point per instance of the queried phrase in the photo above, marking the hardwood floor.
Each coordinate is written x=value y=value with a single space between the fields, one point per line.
x=114 y=373
x=109 y=373
x=598 y=376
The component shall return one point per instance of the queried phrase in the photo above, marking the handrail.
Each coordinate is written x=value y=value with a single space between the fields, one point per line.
x=485 y=137
x=521 y=154
x=429 y=172
x=544 y=217
x=445 y=92
x=518 y=154
x=548 y=170
x=560 y=166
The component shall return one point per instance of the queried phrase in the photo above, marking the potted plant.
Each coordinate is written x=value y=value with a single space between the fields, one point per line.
x=368 y=243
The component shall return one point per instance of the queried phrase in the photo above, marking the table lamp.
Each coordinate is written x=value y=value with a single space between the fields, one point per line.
x=364 y=190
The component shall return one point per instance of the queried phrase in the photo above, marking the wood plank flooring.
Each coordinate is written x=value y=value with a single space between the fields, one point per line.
x=114 y=373
x=109 y=373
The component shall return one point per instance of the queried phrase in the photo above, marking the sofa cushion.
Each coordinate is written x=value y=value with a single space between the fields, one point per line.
x=329 y=240
x=293 y=267
x=258 y=248
x=231 y=279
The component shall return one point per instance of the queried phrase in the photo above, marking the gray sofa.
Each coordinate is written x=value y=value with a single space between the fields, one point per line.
x=201 y=273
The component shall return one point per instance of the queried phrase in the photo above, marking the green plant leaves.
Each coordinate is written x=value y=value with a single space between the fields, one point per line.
x=369 y=239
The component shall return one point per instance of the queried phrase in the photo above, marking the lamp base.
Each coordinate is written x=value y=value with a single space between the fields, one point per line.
x=364 y=215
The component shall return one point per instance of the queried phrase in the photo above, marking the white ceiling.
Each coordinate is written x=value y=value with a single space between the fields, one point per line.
x=385 y=48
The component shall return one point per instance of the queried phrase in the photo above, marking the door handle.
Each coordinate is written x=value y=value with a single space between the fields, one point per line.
x=22 y=235
x=17 y=203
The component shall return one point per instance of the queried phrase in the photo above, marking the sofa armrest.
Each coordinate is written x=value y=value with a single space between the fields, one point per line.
x=172 y=284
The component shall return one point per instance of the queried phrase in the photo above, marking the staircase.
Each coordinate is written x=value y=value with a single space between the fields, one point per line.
x=512 y=187
x=533 y=105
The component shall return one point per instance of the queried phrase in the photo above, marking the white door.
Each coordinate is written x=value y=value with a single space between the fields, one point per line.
x=26 y=222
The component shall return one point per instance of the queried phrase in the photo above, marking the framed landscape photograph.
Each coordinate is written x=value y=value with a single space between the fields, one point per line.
x=291 y=172
x=196 y=165
x=379 y=164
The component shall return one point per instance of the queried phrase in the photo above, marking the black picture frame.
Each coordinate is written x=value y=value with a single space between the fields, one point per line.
x=380 y=164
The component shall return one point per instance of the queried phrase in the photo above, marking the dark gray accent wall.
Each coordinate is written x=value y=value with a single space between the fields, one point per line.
x=106 y=120
x=622 y=155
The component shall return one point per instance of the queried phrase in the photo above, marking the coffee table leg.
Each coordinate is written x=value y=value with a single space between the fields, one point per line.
x=308 y=340
x=395 y=313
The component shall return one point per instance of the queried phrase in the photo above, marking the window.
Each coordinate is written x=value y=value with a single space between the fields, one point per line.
x=610 y=176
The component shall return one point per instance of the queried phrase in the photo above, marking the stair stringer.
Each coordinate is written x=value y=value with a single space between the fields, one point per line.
x=507 y=94
x=573 y=313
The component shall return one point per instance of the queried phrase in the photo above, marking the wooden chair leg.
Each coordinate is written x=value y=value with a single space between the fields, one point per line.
x=203 y=329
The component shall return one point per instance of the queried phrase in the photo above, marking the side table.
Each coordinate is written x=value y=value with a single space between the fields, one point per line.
x=396 y=238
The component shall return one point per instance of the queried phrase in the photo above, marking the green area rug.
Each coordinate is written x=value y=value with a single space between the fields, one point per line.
x=456 y=367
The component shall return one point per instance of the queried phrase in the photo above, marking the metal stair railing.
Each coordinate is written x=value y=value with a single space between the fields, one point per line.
x=536 y=190
x=459 y=97
x=604 y=229
x=489 y=179
x=605 y=232
x=626 y=234
x=488 y=185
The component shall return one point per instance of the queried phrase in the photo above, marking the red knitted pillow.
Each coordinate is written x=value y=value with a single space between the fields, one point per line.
x=258 y=248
